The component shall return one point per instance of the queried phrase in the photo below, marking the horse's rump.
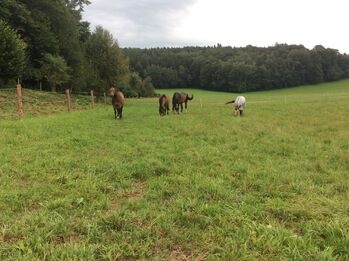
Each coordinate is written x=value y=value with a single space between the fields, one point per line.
x=164 y=101
x=119 y=100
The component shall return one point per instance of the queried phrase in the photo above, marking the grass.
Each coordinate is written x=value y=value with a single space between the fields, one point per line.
x=36 y=103
x=204 y=185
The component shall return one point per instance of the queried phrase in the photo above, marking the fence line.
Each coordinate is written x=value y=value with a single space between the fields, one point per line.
x=8 y=89
x=20 y=100
x=280 y=99
x=92 y=100
x=202 y=102
x=68 y=98
x=8 y=102
x=53 y=103
x=53 y=93
x=20 y=96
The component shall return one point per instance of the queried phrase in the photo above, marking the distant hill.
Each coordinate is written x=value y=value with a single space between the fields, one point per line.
x=239 y=69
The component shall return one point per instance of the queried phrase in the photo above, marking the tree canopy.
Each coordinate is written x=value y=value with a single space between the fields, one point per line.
x=61 y=50
x=239 y=69
x=55 y=70
x=12 y=53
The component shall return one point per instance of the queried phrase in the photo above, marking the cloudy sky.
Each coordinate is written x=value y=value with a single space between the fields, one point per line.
x=152 y=23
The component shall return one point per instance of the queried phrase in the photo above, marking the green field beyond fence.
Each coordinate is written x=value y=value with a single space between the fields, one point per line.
x=38 y=103
x=202 y=185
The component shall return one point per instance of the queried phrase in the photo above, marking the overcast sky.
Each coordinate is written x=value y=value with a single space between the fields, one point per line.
x=153 y=23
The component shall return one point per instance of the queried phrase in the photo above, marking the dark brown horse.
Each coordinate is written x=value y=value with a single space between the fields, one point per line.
x=164 y=104
x=178 y=99
x=117 y=100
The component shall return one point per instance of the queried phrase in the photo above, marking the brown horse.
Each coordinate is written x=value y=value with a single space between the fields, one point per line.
x=164 y=104
x=117 y=101
x=178 y=99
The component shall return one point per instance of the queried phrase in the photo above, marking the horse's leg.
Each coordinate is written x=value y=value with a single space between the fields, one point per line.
x=120 y=113
x=167 y=108
x=115 y=112
x=181 y=107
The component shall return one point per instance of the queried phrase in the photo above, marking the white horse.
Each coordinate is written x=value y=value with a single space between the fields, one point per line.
x=239 y=105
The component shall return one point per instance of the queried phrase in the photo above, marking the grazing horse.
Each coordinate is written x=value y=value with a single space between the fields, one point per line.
x=117 y=100
x=178 y=99
x=164 y=104
x=239 y=105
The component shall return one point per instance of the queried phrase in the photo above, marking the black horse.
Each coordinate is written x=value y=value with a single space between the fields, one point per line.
x=178 y=99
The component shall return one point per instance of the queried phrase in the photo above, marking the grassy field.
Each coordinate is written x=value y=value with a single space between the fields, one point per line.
x=272 y=185
x=36 y=103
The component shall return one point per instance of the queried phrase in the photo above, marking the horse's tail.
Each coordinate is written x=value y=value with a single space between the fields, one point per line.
x=175 y=98
x=174 y=101
x=190 y=98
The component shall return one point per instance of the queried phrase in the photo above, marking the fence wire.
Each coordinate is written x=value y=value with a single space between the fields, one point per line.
x=36 y=102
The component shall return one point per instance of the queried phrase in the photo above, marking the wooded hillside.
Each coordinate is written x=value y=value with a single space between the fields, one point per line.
x=46 y=43
x=239 y=69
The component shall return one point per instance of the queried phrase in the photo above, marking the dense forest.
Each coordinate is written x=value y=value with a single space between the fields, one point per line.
x=47 y=45
x=239 y=69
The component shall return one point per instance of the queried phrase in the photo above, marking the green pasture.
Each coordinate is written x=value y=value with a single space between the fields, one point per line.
x=202 y=185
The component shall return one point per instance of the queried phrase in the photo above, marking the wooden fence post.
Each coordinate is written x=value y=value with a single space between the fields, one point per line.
x=105 y=99
x=92 y=100
x=68 y=99
x=20 y=100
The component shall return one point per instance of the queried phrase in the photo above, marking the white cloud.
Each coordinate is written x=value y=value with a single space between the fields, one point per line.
x=146 y=23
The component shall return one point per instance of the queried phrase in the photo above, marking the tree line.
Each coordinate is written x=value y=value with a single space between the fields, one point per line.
x=239 y=69
x=48 y=45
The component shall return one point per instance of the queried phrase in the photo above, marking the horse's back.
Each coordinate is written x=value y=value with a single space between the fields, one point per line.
x=179 y=97
x=163 y=98
x=121 y=97
x=183 y=96
x=240 y=102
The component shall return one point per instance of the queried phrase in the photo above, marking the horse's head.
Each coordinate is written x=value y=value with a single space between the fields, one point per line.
x=112 y=91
